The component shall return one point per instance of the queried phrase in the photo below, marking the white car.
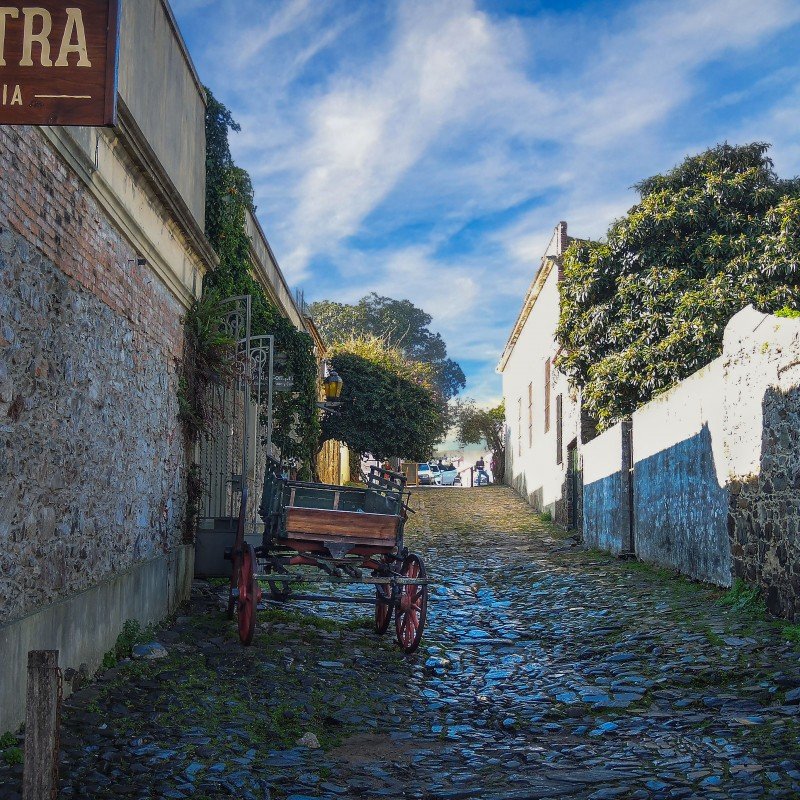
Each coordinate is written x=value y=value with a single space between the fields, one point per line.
x=425 y=475
x=450 y=475
x=436 y=473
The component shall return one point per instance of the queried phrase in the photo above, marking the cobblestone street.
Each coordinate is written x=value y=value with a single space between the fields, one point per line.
x=545 y=672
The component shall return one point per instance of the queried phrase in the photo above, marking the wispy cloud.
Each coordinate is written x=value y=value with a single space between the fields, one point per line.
x=426 y=148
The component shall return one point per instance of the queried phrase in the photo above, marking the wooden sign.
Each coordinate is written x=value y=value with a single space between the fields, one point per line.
x=58 y=62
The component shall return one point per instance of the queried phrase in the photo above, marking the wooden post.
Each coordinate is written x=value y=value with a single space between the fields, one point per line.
x=42 y=718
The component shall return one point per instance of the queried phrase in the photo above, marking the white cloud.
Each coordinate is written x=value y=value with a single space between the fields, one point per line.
x=454 y=117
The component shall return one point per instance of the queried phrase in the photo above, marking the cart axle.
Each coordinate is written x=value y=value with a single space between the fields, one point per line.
x=328 y=598
x=276 y=578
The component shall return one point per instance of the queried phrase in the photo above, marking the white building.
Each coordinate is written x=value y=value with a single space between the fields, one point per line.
x=542 y=412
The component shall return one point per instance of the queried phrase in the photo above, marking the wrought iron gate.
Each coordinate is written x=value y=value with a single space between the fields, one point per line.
x=234 y=453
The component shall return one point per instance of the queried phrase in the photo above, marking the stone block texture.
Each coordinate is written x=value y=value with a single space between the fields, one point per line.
x=92 y=460
x=763 y=426
x=716 y=480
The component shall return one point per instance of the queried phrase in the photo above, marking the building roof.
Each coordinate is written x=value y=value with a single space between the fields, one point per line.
x=558 y=243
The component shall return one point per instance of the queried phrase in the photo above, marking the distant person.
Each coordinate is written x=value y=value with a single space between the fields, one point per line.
x=480 y=467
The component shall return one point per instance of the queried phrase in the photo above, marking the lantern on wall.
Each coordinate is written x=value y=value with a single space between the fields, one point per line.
x=333 y=386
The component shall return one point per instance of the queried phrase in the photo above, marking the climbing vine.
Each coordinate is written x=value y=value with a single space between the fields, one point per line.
x=229 y=195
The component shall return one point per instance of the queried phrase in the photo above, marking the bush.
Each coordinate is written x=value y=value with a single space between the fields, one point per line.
x=7 y=740
x=741 y=596
x=131 y=634
x=12 y=755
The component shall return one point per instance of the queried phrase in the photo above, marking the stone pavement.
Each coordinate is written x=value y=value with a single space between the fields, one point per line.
x=545 y=672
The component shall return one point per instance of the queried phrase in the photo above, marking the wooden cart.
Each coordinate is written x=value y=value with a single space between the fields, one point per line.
x=350 y=535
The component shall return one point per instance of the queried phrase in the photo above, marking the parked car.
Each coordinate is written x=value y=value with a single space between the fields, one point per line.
x=425 y=475
x=437 y=474
x=450 y=475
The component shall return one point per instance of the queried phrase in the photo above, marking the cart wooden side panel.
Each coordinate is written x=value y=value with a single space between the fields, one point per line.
x=344 y=526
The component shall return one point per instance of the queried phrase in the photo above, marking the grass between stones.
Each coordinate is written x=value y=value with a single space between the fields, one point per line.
x=266 y=696
x=9 y=747
x=132 y=634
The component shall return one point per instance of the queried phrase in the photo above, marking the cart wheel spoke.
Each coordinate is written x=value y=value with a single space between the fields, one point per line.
x=410 y=616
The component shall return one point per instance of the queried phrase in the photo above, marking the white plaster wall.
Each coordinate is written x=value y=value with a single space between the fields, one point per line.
x=602 y=455
x=534 y=472
x=134 y=209
x=680 y=413
x=760 y=352
x=269 y=274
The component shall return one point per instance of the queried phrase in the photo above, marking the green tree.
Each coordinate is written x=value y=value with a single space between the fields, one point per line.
x=475 y=425
x=648 y=306
x=389 y=408
x=400 y=324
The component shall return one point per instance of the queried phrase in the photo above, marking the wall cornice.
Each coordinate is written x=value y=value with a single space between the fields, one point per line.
x=137 y=145
x=182 y=269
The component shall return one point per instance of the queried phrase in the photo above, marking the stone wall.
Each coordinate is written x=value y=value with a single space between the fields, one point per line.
x=716 y=481
x=680 y=495
x=606 y=511
x=92 y=462
x=762 y=422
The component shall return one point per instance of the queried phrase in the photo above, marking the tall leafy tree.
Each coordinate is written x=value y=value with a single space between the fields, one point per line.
x=389 y=407
x=475 y=425
x=648 y=306
x=401 y=325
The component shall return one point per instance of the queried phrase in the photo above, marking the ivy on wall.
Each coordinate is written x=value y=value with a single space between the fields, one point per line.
x=229 y=195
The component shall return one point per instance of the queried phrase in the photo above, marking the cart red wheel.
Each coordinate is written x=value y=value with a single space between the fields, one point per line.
x=249 y=595
x=383 y=608
x=409 y=619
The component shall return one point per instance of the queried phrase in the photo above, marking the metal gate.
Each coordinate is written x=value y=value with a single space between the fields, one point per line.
x=233 y=455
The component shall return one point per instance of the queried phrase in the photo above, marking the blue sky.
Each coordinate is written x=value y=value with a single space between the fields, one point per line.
x=427 y=148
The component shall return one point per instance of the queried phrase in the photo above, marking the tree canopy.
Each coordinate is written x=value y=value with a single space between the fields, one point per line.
x=388 y=408
x=648 y=306
x=476 y=425
x=401 y=325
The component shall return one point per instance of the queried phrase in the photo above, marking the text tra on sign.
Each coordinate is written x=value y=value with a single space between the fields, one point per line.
x=58 y=62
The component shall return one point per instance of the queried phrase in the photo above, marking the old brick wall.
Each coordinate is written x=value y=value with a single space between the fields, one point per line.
x=92 y=462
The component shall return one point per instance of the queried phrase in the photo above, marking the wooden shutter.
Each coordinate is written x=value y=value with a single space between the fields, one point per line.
x=530 y=414
x=547 y=395
x=559 y=428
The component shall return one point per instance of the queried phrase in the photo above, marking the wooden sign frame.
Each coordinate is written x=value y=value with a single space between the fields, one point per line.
x=59 y=62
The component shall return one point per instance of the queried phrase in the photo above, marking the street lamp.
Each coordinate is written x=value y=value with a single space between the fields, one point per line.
x=333 y=386
x=333 y=391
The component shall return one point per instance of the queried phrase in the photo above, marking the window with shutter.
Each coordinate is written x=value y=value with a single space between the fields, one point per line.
x=530 y=415
x=559 y=428
x=547 y=396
